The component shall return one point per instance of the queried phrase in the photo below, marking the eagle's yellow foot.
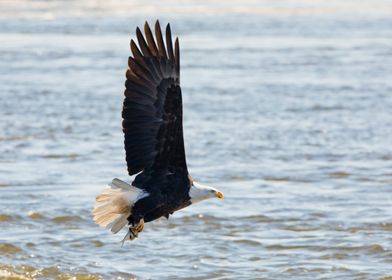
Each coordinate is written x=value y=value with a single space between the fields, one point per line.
x=139 y=226
x=134 y=231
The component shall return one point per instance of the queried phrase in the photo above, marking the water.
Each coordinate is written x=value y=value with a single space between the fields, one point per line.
x=287 y=111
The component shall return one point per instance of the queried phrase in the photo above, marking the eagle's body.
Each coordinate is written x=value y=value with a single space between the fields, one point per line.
x=154 y=143
x=168 y=193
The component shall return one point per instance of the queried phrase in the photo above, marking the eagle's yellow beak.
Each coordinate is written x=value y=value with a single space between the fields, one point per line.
x=220 y=195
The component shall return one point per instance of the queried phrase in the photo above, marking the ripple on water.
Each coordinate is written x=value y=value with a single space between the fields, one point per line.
x=277 y=179
x=12 y=272
x=66 y=219
x=35 y=215
x=5 y=218
x=386 y=226
x=300 y=228
x=98 y=243
x=340 y=174
x=256 y=219
x=16 y=272
x=372 y=249
x=375 y=226
x=337 y=256
x=61 y=156
x=9 y=249
x=248 y=242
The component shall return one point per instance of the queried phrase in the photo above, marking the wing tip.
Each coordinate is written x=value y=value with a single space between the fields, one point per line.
x=168 y=30
x=177 y=56
x=146 y=27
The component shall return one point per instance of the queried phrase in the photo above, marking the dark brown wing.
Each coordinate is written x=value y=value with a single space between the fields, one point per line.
x=152 y=111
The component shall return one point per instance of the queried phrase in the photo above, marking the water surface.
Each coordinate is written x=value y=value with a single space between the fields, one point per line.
x=287 y=111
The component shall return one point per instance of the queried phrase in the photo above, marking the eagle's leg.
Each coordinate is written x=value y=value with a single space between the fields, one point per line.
x=134 y=230
x=142 y=207
x=137 y=219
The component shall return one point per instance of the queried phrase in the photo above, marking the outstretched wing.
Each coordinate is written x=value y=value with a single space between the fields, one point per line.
x=152 y=109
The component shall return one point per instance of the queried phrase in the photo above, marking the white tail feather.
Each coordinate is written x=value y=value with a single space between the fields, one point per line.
x=114 y=205
x=117 y=183
x=119 y=224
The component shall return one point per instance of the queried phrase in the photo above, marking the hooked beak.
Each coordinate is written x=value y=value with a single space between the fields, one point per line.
x=220 y=195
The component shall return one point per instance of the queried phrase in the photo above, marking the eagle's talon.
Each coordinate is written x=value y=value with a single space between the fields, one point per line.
x=132 y=234
x=138 y=227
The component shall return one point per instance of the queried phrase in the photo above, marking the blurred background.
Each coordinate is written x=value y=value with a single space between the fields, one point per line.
x=287 y=110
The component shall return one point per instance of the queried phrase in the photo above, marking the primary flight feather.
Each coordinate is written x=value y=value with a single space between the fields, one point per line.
x=154 y=142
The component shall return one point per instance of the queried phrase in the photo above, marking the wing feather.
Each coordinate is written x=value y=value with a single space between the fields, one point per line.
x=161 y=44
x=137 y=54
x=142 y=43
x=177 y=56
x=152 y=108
x=141 y=72
x=169 y=43
x=150 y=40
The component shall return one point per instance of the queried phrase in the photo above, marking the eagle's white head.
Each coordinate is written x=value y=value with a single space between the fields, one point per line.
x=199 y=192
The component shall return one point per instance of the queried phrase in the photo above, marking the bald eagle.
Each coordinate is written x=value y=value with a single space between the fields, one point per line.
x=154 y=141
